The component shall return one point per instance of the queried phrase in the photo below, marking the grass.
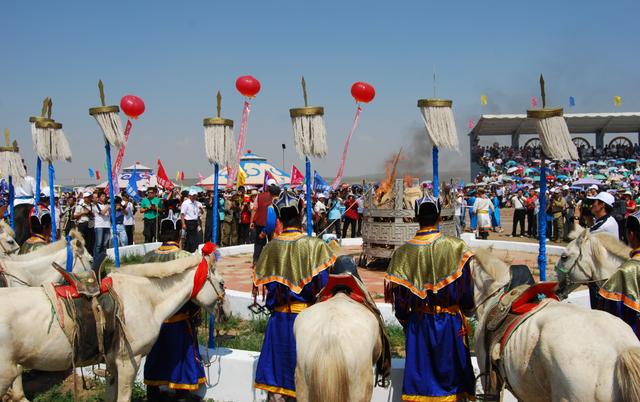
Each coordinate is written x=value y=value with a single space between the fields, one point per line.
x=125 y=260
x=59 y=393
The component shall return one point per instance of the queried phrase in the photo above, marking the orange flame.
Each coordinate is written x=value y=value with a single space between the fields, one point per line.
x=391 y=168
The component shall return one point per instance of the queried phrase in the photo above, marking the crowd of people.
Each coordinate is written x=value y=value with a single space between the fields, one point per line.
x=510 y=179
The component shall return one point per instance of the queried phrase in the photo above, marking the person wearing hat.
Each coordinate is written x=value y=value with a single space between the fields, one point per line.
x=102 y=225
x=83 y=215
x=620 y=293
x=569 y=218
x=174 y=360
x=150 y=206
x=24 y=195
x=66 y=221
x=430 y=285
x=601 y=207
x=189 y=216
x=39 y=230
x=293 y=268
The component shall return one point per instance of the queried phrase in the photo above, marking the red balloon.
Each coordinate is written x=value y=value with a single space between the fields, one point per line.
x=363 y=92
x=132 y=106
x=248 y=86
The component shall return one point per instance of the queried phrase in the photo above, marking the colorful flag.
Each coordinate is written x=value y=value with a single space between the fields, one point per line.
x=319 y=185
x=534 y=101
x=163 y=179
x=182 y=175
x=471 y=123
x=92 y=174
x=296 y=176
x=617 y=100
x=97 y=175
x=483 y=99
x=572 y=101
x=178 y=175
x=242 y=176
x=132 y=187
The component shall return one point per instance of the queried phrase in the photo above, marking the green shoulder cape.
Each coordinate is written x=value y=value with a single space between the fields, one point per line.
x=292 y=261
x=423 y=266
x=624 y=285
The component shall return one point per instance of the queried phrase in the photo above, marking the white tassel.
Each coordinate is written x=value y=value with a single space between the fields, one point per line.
x=310 y=135
x=111 y=127
x=220 y=144
x=441 y=126
x=11 y=165
x=33 y=135
x=556 y=139
x=51 y=144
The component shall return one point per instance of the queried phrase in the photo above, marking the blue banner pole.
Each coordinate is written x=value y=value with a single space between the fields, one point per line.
x=309 y=206
x=36 y=197
x=214 y=212
x=436 y=174
x=52 y=202
x=11 y=207
x=542 y=223
x=112 y=201
x=211 y=343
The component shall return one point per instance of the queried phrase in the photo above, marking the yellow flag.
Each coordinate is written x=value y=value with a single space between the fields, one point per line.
x=617 y=100
x=242 y=176
x=483 y=99
x=178 y=175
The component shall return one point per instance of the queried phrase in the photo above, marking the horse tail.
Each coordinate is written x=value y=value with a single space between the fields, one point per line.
x=329 y=376
x=627 y=374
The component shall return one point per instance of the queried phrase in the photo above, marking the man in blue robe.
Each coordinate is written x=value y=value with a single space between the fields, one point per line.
x=429 y=282
x=620 y=294
x=292 y=268
x=174 y=360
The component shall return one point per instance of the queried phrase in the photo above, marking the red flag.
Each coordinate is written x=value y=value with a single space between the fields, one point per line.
x=296 y=176
x=267 y=176
x=163 y=179
x=97 y=175
x=182 y=175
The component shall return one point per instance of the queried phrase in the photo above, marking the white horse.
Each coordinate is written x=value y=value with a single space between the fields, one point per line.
x=150 y=294
x=8 y=244
x=561 y=353
x=337 y=342
x=34 y=269
x=589 y=258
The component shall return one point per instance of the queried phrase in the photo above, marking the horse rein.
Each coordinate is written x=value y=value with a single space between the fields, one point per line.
x=568 y=272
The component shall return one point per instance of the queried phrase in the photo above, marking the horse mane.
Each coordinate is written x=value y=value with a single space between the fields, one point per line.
x=7 y=228
x=612 y=245
x=162 y=269
x=493 y=265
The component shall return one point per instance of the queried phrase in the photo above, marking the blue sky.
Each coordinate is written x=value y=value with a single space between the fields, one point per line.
x=177 y=54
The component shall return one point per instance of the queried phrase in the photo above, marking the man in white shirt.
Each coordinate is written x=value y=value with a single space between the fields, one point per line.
x=189 y=213
x=601 y=207
x=24 y=191
x=519 y=213
x=102 y=225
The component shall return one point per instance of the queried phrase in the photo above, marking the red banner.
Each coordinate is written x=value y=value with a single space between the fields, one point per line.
x=163 y=179
x=345 y=151
x=116 y=167
x=296 y=176
x=97 y=175
x=242 y=138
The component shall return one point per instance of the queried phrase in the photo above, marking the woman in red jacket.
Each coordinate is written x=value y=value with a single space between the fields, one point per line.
x=350 y=216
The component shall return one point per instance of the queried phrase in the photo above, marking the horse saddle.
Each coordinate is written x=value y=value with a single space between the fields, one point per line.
x=88 y=313
x=513 y=308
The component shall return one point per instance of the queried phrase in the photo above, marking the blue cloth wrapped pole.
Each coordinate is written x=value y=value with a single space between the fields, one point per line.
x=214 y=211
x=436 y=174
x=11 y=207
x=112 y=201
x=36 y=197
x=211 y=343
x=542 y=224
x=69 y=266
x=52 y=202
x=309 y=206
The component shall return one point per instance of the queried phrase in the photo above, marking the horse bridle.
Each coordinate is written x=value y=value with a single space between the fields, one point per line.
x=9 y=252
x=567 y=272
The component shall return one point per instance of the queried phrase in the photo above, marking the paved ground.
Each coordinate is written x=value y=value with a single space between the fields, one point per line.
x=236 y=270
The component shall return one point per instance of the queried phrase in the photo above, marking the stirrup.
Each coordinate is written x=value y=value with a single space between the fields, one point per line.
x=257 y=309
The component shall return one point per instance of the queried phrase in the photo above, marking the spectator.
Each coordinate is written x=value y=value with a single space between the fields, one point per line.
x=350 y=216
x=150 y=207
x=518 y=204
x=558 y=210
x=601 y=207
